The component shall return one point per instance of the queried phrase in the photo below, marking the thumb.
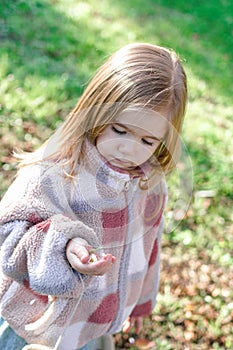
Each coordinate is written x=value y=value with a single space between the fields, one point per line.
x=81 y=252
x=77 y=248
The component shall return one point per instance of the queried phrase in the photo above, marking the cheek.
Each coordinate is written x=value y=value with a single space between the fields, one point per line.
x=146 y=153
x=104 y=144
x=100 y=145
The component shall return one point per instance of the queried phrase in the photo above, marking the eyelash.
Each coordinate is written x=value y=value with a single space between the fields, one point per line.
x=122 y=132
x=147 y=142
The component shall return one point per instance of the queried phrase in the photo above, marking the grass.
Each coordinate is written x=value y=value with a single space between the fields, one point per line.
x=49 y=51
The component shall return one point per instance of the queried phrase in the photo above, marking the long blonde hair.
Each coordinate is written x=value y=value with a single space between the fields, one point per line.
x=139 y=74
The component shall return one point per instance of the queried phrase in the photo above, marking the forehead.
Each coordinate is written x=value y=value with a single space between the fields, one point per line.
x=144 y=121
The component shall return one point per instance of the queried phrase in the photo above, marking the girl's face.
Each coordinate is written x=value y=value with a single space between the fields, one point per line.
x=133 y=138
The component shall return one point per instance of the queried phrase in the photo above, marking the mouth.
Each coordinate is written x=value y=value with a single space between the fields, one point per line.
x=124 y=163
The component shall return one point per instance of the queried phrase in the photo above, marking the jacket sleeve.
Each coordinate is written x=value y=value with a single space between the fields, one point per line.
x=36 y=222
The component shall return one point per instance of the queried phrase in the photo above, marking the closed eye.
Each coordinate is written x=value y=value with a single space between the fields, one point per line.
x=146 y=142
x=118 y=130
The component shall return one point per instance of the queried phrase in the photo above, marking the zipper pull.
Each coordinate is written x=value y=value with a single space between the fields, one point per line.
x=126 y=186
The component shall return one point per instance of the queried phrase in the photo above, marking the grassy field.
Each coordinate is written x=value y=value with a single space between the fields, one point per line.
x=49 y=51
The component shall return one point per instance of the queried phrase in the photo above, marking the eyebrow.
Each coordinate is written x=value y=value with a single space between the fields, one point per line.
x=130 y=130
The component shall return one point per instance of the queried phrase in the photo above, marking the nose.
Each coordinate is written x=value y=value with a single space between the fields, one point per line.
x=128 y=147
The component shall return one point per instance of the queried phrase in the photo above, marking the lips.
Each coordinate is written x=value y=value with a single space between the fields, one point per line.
x=123 y=162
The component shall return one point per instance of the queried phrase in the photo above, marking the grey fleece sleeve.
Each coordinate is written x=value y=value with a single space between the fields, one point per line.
x=35 y=226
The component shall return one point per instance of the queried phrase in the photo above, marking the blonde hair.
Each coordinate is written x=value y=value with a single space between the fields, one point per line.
x=139 y=74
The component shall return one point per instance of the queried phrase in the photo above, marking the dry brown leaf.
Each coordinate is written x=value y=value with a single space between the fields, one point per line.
x=144 y=344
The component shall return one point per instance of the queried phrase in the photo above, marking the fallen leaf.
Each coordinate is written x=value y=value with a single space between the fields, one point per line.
x=144 y=344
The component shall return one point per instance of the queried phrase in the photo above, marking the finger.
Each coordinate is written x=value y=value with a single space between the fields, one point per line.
x=74 y=261
x=126 y=325
x=81 y=252
x=82 y=261
x=109 y=257
x=101 y=266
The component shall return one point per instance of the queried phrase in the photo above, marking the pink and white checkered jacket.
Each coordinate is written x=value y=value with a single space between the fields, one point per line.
x=41 y=296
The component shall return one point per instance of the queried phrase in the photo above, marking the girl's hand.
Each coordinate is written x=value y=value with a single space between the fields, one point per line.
x=81 y=259
x=131 y=322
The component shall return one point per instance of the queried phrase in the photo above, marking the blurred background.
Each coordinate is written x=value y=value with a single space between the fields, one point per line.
x=49 y=50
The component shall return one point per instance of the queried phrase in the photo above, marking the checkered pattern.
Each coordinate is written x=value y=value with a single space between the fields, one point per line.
x=42 y=297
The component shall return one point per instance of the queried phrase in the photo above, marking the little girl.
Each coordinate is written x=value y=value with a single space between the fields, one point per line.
x=81 y=225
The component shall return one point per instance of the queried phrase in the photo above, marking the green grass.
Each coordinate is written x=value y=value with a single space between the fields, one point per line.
x=50 y=50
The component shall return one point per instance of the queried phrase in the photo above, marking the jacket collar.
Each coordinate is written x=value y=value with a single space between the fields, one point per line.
x=117 y=178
